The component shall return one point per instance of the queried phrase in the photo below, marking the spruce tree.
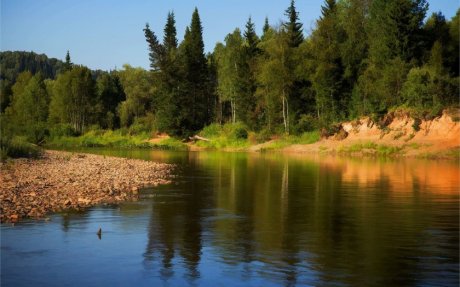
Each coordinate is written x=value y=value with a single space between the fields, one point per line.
x=395 y=29
x=266 y=26
x=67 y=64
x=293 y=26
x=327 y=79
x=156 y=50
x=251 y=37
x=169 y=39
x=196 y=96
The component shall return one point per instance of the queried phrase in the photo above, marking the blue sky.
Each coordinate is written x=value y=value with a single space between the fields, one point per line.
x=105 y=34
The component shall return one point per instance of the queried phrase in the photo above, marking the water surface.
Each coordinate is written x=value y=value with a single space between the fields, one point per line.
x=238 y=219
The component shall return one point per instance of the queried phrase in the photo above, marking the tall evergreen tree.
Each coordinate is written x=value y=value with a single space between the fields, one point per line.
x=156 y=50
x=327 y=79
x=266 y=26
x=293 y=26
x=395 y=29
x=195 y=111
x=170 y=39
x=67 y=64
x=251 y=37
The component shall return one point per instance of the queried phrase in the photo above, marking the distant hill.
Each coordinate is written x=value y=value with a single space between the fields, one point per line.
x=14 y=62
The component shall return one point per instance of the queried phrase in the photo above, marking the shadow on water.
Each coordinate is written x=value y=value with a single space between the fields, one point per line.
x=270 y=219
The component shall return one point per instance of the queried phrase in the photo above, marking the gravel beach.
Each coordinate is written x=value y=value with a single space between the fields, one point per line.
x=62 y=180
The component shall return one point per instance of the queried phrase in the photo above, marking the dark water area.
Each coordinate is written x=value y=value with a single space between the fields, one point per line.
x=239 y=219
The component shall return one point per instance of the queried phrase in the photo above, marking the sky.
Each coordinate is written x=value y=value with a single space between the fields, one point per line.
x=105 y=34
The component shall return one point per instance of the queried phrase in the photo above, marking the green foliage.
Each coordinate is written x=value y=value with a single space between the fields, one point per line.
x=370 y=148
x=234 y=136
x=362 y=58
x=138 y=89
x=287 y=140
x=114 y=139
x=29 y=108
x=293 y=26
x=14 y=63
x=73 y=99
x=394 y=29
x=17 y=147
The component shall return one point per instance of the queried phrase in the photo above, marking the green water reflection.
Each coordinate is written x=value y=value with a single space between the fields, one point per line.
x=272 y=219
x=352 y=221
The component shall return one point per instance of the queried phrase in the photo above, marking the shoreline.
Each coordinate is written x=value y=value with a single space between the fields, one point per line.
x=60 y=180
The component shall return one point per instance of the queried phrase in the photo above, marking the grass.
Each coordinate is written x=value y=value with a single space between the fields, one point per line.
x=287 y=140
x=236 y=137
x=452 y=154
x=229 y=136
x=371 y=148
x=114 y=139
x=18 y=147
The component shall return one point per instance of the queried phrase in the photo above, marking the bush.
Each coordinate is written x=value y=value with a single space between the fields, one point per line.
x=416 y=124
x=263 y=136
x=240 y=133
x=61 y=130
x=306 y=123
x=18 y=147
x=213 y=130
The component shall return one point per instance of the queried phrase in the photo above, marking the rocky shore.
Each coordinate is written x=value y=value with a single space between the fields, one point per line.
x=62 y=180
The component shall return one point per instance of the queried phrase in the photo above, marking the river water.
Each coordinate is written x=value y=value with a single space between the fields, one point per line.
x=239 y=219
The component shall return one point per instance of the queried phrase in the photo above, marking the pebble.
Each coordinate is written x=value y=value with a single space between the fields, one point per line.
x=62 y=180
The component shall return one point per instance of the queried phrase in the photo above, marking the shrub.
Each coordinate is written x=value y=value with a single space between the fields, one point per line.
x=416 y=124
x=18 y=147
x=306 y=123
x=60 y=130
x=213 y=130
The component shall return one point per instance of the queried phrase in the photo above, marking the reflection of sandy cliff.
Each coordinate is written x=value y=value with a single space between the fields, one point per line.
x=442 y=176
x=426 y=175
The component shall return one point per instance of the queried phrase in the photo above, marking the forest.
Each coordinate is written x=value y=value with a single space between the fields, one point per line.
x=362 y=58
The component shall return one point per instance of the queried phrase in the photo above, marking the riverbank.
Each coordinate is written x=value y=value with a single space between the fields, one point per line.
x=398 y=134
x=62 y=180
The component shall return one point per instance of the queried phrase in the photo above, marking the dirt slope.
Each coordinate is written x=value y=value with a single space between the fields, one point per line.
x=433 y=137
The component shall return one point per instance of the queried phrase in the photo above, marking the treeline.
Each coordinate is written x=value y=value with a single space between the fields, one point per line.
x=363 y=57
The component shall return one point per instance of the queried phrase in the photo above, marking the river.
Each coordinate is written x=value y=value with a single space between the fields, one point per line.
x=250 y=219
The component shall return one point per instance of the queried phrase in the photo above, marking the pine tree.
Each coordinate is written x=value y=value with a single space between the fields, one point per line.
x=293 y=26
x=327 y=79
x=194 y=109
x=266 y=26
x=67 y=64
x=170 y=40
x=395 y=29
x=156 y=50
x=251 y=37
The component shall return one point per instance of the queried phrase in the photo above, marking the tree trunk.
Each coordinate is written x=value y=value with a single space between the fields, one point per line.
x=284 y=112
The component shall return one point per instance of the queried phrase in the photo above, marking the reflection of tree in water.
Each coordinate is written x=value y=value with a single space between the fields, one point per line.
x=71 y=216
x=175 y=226
x=294 y=222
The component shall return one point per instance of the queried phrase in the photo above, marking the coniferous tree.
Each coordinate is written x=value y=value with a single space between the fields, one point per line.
x=170 y=34
x=327 y=79
x=67 y=64
x=194 y=109
x=266 y=26
x=156 y=50
x=293 y=26
x=170 y=82
x=394 y=29
x=251 y=38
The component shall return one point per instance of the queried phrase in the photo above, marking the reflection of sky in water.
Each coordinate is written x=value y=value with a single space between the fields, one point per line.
x=255 y=220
